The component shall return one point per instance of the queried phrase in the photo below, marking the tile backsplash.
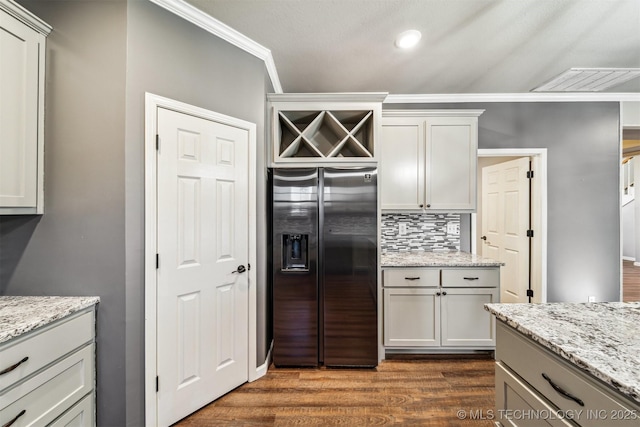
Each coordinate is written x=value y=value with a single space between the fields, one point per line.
x=424 y=232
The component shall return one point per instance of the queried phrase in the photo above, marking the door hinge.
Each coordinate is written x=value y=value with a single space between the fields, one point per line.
x=157 y=142
x=530 y=293
x=157 y=384
x=529 y=174
x=157 y=261
x=529 y=233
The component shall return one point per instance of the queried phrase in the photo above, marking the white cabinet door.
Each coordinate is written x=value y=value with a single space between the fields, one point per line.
x=402 y=163
x=22 y=57
x=451 y=149
x=411 y=317
x=465 y=322
x=429 y=160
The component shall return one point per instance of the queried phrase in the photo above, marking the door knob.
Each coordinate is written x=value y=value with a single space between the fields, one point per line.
x=484 y=237
x=239 y=269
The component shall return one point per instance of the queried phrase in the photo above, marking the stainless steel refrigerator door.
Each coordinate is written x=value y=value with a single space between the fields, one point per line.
x=349 y=227
x=295 y=267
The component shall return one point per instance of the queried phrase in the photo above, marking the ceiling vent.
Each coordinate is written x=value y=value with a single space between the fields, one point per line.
x=588 y=79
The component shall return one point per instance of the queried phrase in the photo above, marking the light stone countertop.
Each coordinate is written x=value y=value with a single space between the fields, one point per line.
x=600 y=338
x=435 y=259
x=22 y=314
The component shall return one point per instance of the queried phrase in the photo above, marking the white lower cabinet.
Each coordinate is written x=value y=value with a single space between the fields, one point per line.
x=434 y=316
x=464 y=321
x=530 y=379
x=515 y=398
x=411 y=317
x=82 y=414
x=50 y=375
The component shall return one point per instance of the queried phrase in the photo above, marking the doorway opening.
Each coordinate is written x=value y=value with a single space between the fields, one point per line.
x=224 y=146
x=538 y=212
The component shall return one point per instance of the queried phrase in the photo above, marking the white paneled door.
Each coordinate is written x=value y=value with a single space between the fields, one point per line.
x=505 y=221
x=202 y=241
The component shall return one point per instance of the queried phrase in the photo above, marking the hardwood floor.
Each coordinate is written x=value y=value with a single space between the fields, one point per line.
x=426 y=392
x=631 y=281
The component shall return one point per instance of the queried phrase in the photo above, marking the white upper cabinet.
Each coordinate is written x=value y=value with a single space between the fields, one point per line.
x=324 y=129
x=22 y=65
x=429 y=160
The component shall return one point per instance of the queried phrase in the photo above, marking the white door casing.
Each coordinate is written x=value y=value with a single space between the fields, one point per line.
x=505 y=221
x=200 y=315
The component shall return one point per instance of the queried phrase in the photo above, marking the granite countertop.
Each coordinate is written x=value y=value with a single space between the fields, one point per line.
x=600 y=338
x=435 y=259
x=19 y=315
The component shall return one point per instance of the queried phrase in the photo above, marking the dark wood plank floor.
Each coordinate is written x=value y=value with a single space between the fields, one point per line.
x=631 y=281
x=426 y=392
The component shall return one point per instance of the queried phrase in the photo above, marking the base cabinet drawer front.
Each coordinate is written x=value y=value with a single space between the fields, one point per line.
x=563 y=385
x=470 y=277
x=412 y=277
x=58 y=339
x=465 y=322
x=411 y=317
x=81 y=414
x=517 y=405
x=50 y=393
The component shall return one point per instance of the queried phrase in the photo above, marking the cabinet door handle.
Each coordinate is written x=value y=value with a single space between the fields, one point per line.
x=412 y=278
x=14 y=366
x=437 y=294
x=444 y=293
x=563 y=393
x=471 y=278
x=15 y=418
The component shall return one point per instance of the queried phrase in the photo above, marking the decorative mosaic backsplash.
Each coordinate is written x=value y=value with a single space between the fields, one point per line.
x=424 y=232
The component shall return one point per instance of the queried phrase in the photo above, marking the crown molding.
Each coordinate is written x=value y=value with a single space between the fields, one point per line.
x=510 y=97
x=328 y=97
x=432 y=113
x=26 y=17
x=208 y=23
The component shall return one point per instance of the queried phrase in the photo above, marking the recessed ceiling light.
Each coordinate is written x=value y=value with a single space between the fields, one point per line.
x=588 y=79
x=408 y=39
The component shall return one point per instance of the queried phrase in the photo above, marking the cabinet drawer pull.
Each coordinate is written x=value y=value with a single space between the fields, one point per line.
x=471 y=278
x=15 y=419
x=12 y=367
x=412 y=278
x=564 y=394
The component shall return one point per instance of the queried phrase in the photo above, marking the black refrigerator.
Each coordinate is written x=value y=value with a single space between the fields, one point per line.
x=324 y=224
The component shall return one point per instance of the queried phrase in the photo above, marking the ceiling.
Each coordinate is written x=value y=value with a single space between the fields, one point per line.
x=467 y=46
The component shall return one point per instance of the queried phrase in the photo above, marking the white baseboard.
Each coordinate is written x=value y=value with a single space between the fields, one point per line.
x=261 y=370
x=628 y=258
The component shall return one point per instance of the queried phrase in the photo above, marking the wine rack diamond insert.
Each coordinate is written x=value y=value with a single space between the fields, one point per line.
x=326 y=134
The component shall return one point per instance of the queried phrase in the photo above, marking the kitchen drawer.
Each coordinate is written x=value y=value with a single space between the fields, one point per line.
x=44 y=346
x=80 y=415
x=514 y=399
x=462 y=277
x=531 y=362
x=411 y=277
x=49 y=394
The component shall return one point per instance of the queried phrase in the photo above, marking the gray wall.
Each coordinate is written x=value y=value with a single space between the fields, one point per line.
x=583 y=186
x=167 y=56
x=77 y=246
x=103 y=56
